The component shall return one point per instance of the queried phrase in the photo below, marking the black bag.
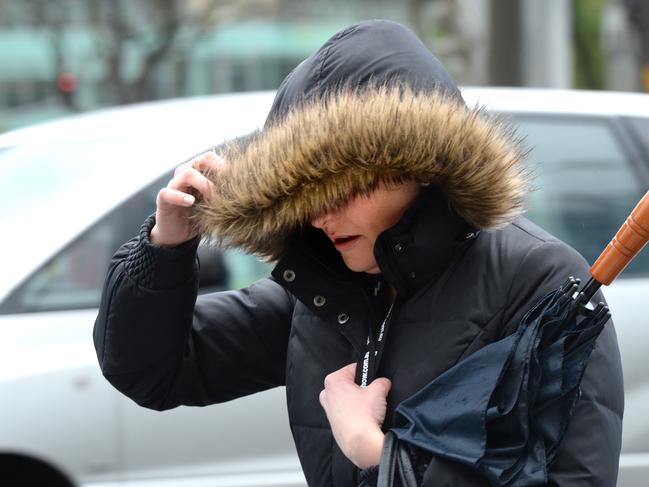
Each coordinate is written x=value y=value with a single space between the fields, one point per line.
x=395 y=464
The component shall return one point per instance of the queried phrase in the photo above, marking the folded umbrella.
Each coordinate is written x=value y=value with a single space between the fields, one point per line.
x=504 y=410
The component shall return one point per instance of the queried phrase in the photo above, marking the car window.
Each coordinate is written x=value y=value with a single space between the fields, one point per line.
x=48 y=173
x=641 y=130
x=585 y=179
x=73 y=278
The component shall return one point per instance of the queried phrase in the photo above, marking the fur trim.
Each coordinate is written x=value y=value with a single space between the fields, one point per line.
x=325 y=152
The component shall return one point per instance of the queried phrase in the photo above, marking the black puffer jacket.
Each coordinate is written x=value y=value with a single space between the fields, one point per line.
x=464 y=277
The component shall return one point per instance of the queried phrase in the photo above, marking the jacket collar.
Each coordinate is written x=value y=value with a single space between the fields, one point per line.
x=410 y=254
x=421 y=245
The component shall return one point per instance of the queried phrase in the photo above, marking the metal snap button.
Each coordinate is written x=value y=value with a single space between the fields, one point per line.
x=343 y=318
x=319 y=301
x=399 y=247
x=288 y=275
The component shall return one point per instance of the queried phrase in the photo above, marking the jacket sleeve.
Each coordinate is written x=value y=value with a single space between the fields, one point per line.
x=590 y=451
x=162 y=346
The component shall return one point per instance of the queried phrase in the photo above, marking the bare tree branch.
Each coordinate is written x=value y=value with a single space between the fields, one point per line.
x=131 y=39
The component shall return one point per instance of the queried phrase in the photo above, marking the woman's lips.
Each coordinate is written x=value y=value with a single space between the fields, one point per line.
x=345 y=243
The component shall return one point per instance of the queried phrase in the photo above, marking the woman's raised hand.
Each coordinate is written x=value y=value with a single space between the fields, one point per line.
x=174 y=202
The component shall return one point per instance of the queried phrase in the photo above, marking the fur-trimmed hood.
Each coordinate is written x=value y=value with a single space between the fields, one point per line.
x=332 y=145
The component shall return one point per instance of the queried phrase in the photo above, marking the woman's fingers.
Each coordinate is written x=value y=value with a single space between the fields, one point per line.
x=188 y=176
x=191 y=179
x=347 y=374
x=380 y=386
x=173 y=197
x=173 y=214
x=355 y=414
x=203 y=163
x=323 y=398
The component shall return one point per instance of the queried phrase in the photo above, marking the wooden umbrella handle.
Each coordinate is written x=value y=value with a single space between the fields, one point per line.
x=628 y=241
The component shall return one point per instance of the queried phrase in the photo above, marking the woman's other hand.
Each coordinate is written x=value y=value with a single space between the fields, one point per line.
x=356 y=414
x=174 y=202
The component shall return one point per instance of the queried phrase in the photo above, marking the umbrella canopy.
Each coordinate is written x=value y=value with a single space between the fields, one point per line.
x=504 y=410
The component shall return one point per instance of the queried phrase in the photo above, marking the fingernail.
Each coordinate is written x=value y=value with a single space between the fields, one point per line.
x=189 y=200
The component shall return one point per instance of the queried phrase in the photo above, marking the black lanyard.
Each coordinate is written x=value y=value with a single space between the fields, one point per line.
x=368 y=364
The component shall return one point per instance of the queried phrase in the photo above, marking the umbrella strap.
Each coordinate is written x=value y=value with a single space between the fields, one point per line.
x=368 y=365
x=388 y=465
x=395 y=464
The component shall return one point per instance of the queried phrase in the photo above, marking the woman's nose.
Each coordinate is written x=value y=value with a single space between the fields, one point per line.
x=321 y=220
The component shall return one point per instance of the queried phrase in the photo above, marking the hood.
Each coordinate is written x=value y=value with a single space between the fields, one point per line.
x=353 y=115
x=368 y=54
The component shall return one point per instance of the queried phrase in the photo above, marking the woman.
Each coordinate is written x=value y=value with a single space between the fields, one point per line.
x=392 y=211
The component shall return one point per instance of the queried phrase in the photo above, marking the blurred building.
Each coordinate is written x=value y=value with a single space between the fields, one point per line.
x=61 y=56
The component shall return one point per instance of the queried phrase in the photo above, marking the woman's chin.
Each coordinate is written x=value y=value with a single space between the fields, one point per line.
x=356 y=266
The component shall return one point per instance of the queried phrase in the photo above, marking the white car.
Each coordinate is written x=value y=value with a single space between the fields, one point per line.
x=72 y=191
